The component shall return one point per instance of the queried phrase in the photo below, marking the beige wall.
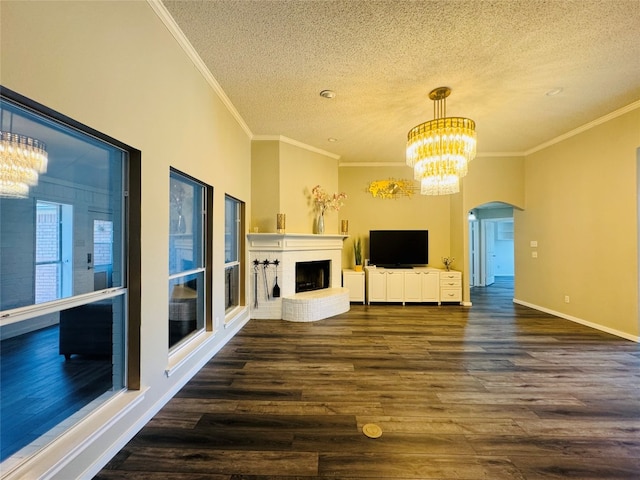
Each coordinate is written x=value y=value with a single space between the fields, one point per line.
x=365 y=212
x=490 y=179
x=300 y=171
x=284 y=174
x=581 y=208
x=459 y=241
x=494 y=179
x=265 y=185
x=115 y=67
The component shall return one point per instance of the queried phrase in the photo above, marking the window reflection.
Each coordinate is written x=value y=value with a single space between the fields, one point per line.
x=232 y=248
x=47 y=238
x=72 y=356
x=186 y=257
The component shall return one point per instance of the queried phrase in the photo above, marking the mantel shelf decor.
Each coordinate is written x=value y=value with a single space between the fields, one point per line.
x=323 y=202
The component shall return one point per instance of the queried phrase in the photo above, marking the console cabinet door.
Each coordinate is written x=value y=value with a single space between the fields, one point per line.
x=376 y=286
x=395 y=286
x=354 y=281
x=412 y=286
x=430 y=287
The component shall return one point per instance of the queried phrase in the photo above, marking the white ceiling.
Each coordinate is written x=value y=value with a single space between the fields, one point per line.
x=273 y=57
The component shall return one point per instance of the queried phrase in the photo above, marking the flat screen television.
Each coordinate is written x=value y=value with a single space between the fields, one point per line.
x=399 y=248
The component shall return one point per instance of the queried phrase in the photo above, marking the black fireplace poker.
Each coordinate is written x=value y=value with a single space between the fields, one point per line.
x=276 y=288
x=255 y=283
x=265 y=264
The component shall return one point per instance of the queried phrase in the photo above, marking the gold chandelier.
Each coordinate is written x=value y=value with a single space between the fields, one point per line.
x=22 y=159
x=440 y=150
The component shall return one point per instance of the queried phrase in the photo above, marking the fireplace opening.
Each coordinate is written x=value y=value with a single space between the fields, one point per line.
x=312 y=275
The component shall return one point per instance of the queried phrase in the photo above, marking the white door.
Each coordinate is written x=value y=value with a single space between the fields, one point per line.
x=100 y=259
x=488 y=232
x=54 y=251
x=474 y=253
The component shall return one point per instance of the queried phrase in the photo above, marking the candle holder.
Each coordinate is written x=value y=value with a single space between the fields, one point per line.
x=344 y=227
x=281 y=222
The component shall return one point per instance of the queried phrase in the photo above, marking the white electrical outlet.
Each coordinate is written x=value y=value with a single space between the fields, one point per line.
x=566 y=299
x=534 y=254
x=533 y=243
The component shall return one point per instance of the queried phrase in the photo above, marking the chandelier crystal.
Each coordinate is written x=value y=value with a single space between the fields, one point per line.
x=22 y=160
x=439 y=185
x=440 y=150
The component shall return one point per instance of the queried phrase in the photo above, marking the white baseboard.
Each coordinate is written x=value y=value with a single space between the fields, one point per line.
x=586 y=323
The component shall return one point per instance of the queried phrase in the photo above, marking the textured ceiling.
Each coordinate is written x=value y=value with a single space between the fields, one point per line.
x=273 y=57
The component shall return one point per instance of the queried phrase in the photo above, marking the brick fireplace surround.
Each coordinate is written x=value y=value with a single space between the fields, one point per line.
x=288 y=249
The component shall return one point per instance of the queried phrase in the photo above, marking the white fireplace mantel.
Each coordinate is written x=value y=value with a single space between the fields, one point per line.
x=294 y=241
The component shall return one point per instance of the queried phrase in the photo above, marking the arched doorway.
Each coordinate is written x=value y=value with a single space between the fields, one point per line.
x=491 y=247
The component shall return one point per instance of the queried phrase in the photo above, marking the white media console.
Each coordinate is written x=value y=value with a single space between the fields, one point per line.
x=418 y=285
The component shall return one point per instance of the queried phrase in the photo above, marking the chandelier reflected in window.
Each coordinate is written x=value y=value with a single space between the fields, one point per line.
x=440 y=150
x=22 y=160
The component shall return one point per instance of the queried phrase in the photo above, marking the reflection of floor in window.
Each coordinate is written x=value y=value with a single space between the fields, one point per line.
x=40 y=389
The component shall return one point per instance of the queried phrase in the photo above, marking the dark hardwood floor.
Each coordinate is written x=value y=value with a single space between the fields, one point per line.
x=496 y=391
x=39 y=388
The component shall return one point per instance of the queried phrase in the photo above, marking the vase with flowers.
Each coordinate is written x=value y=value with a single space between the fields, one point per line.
x=448 y=261
x=323 y=202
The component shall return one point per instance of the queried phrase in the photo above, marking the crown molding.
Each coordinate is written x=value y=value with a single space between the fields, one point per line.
x=499 y=154
x=373 y=164
x=295 y=143
x=174 y=29
x=585 y=127
x=403 y=164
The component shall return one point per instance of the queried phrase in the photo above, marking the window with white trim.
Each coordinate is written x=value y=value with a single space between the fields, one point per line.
x=233 y=246
x=56 y=327
x=187 y=267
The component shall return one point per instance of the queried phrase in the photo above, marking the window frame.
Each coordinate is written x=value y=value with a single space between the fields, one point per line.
x=236 y=264
x=132 y=246
x=130 y=251
x=205 y=231
x=131 y=217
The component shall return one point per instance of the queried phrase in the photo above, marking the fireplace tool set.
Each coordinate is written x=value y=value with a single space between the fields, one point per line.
x=269 y=292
